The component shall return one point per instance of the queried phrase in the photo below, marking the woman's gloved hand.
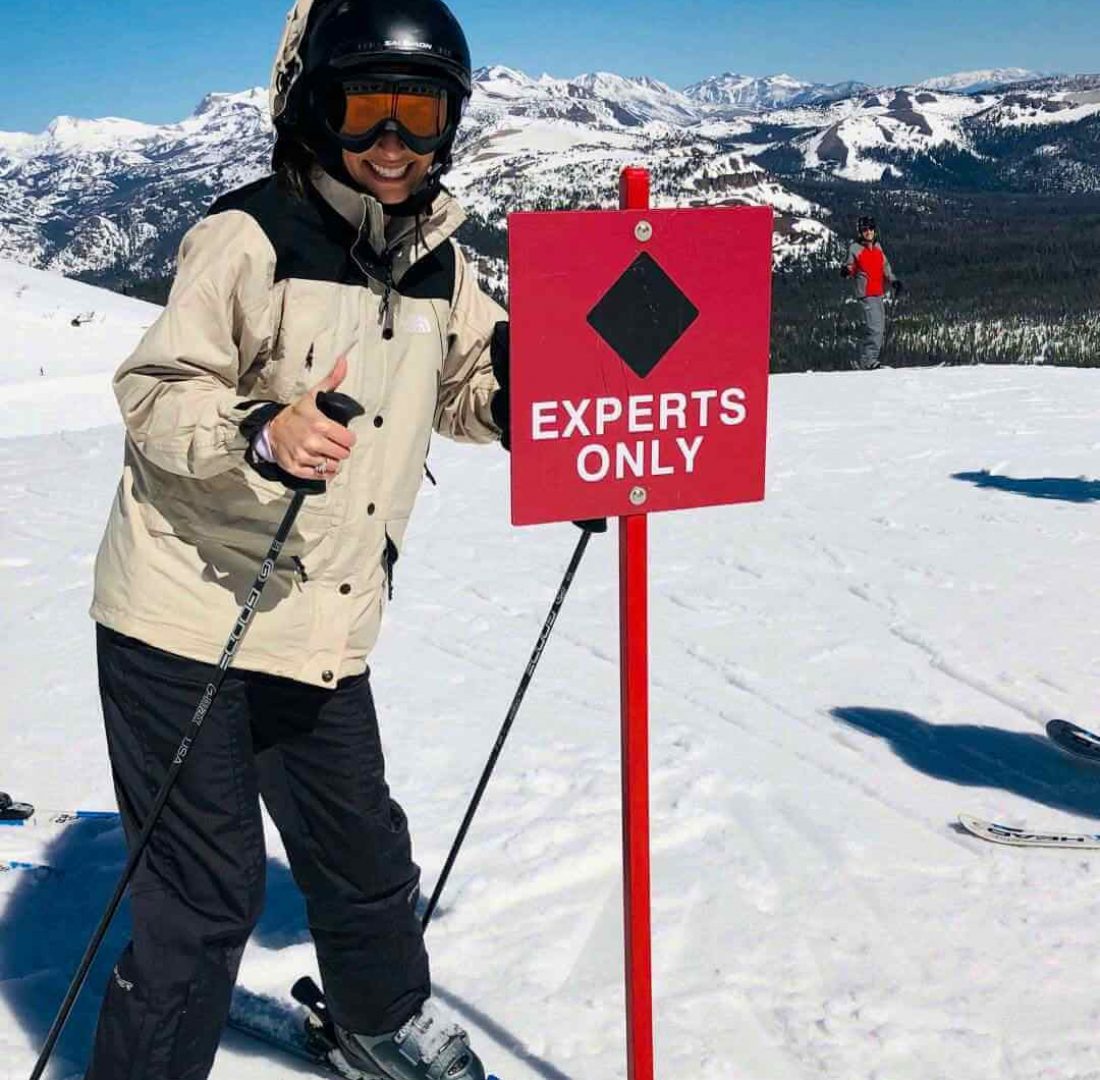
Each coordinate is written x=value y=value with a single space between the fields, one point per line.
x=500 y=406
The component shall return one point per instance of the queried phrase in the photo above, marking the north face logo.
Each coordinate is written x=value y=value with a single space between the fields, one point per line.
x=417 y=324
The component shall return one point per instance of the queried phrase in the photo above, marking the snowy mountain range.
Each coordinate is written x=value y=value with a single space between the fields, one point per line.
x=109 y=199
x=775 y=91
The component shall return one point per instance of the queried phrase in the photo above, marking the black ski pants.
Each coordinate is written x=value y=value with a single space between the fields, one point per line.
x=315 y=757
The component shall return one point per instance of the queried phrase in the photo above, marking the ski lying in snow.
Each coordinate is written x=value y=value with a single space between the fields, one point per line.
x=35 y=869
x=311 y=1038
x=23 y=814
x=1075 y=740
x=1006 y=834
x=58 y=817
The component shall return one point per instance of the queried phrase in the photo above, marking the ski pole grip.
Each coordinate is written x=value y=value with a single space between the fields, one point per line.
x=339 y=407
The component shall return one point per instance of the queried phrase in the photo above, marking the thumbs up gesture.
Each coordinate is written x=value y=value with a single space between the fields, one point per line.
x=305 y=442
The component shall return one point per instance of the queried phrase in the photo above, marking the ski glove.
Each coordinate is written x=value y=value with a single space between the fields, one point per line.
x=501 y=354
x=845 y=271
x=899 y=288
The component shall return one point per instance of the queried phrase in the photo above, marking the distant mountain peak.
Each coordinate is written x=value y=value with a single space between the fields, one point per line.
x=220 y=101
x=970 y=82
x=501 y=71
x=752 y=93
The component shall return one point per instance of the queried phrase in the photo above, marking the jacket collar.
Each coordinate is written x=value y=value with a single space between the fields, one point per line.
x=367 y=216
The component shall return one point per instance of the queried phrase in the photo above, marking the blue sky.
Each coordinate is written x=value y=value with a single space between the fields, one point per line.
x=154 y=60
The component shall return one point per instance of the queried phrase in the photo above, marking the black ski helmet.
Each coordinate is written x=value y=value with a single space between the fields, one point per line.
x=866 y=223
x=418 y=40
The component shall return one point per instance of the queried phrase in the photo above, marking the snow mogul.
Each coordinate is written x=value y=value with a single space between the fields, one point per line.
x=339 y=270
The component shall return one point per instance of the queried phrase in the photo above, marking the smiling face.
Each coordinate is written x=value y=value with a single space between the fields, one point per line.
x=389 y=170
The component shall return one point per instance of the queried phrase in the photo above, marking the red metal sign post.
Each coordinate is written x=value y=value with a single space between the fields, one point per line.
x=640 y=340
x=634 y=673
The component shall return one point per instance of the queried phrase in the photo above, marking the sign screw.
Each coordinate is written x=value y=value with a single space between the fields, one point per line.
x=638 y=495
x=643 y=231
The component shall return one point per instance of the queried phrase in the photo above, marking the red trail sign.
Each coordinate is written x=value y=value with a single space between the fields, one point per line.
x=641 y=340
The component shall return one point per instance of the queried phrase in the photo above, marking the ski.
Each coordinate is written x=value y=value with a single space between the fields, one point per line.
x=308 y=1036
x=40 y=818
x=37 y=870
x=23 y=815
x=1006 y=834
x=1078 y=741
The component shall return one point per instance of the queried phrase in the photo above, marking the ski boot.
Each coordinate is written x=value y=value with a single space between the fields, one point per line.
x=425 y=1047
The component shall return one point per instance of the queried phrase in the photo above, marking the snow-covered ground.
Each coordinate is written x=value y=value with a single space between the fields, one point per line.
x=60 y=338
x=836 y=673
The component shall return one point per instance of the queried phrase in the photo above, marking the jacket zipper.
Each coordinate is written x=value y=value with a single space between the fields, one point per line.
x=386 y=312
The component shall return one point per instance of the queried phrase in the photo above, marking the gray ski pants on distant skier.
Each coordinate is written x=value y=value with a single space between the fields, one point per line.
x=874 y=331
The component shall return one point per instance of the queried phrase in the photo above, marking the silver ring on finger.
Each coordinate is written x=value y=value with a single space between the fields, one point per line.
x=321 y=468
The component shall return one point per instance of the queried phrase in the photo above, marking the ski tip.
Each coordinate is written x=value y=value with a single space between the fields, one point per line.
x=15 y=813
x=1057 y=728
x=1074 y=738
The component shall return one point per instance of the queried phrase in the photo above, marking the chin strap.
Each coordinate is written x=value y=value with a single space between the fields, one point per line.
x=420 y=201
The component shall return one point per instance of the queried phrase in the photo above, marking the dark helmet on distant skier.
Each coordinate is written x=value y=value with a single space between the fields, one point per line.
x=865 y=223
x=348 y=71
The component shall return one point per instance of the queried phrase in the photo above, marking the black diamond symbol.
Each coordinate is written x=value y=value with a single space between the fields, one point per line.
x=643 y=315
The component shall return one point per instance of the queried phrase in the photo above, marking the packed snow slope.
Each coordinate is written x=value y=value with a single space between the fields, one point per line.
x=59 y=338
x=836 y=673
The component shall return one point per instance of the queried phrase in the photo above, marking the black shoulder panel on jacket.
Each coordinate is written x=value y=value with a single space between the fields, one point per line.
x=311 y=240
x=433 y=276
x=243 y=197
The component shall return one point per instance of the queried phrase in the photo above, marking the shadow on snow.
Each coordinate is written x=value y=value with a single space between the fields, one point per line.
x=1063 y=489
x=973 y=756
x=48 y=921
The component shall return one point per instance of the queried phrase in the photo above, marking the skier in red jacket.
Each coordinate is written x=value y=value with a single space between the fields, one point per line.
x=868 y=265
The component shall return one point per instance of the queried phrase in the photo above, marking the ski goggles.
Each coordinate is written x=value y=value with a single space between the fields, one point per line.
x=419 y=112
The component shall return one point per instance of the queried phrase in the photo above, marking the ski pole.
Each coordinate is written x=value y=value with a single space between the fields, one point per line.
x=517 y=700
x=342 y=409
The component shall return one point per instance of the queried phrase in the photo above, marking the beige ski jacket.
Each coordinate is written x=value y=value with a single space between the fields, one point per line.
x=271 y=289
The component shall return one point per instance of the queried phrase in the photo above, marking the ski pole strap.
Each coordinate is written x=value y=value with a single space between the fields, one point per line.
x=517 y=700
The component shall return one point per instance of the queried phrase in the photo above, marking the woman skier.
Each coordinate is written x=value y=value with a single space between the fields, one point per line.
x=339 y=270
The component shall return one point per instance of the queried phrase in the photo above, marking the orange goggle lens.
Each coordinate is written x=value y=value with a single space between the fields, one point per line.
x=421 y=114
